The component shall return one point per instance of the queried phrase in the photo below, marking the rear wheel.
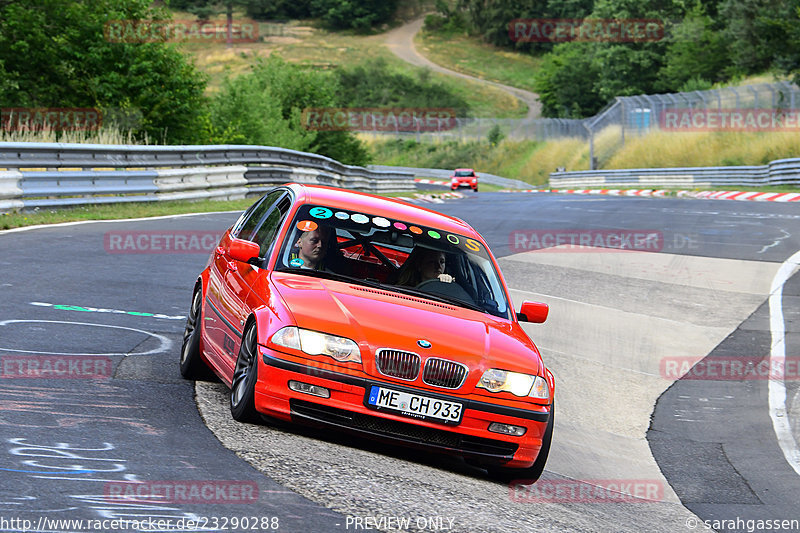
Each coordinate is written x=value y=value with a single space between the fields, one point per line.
x=191 y=362
x=533 y=472
x=245 y=376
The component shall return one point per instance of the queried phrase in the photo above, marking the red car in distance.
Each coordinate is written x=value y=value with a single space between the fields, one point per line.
x=464 y=177
x=371 y=315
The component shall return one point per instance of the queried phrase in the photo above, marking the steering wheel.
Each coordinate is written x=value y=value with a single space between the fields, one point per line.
x=427 y=283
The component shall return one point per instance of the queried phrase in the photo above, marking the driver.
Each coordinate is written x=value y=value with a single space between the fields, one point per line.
x=311 y=248
x=426 y=265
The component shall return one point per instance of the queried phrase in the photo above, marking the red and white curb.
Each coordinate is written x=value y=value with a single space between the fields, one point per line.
x=742 y=195
x=708 y=195
x=609 y=192
x=431 y=182
x=437 y=198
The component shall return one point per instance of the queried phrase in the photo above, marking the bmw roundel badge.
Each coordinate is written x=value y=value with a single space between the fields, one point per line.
x=422 y=343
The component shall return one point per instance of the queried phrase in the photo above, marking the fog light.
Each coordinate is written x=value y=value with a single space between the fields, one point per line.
x=507 y=429
x=306 y=388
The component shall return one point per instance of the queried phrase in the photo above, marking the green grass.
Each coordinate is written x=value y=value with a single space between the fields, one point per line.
x=118 y=211
x=469 y=55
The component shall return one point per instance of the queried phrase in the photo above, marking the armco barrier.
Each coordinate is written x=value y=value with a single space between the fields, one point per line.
x=779 y=172
x=55 y=174
x=444 y=174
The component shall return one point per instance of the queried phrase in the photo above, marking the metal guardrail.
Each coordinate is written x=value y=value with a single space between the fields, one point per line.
x=444 y=174
x=779 y=172
x=55 y=174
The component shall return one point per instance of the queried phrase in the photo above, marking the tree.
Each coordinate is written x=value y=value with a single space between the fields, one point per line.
x=695 y=53
x=55 y=54
x=749 y=30
x=566 y=81
x=360 y=15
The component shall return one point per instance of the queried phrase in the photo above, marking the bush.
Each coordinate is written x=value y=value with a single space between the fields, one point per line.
x=265 y=107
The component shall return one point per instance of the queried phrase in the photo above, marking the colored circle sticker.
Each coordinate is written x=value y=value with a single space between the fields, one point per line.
x=400 y=226
x=453 y=239
x=434 y=234
x=415 y=229
x=473 y=245
x=341 y=215
x=307 y=225
x=320 y=212
x=381 y=222
x=296 y=262
x=359 y=218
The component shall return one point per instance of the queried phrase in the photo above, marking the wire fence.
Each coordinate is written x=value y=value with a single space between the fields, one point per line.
x=760 y=107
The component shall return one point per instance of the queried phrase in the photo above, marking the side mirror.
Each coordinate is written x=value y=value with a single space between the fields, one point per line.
x=243 y=251
x=535 y=312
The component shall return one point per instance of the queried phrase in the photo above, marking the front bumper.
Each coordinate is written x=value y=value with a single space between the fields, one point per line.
x=346 y=410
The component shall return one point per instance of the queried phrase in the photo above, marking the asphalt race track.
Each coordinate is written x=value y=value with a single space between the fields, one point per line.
x=642 y=343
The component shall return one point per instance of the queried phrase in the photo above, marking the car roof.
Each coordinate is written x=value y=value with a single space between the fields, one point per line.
x=466 y=169
x=386 y=207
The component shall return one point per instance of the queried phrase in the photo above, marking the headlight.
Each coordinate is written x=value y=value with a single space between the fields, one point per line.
x=495 y=380
x=316 y=343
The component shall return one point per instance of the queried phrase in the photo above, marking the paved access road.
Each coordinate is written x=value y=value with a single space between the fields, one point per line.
x=112 y=298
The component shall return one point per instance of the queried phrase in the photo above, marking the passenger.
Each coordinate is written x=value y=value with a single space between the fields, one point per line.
x=425 y=265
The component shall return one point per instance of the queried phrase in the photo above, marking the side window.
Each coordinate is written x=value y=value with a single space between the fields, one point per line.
x=246 y=228
x=265 y=233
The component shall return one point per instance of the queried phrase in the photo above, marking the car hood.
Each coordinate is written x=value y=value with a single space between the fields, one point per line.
x=377 y=318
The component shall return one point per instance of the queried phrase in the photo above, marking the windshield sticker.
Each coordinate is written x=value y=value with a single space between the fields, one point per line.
x=381 y=222
x=307 y=225
x=433 y=234
x=400 y=226
x=472 y=245
x=341 y=215
x=359 y=218
x=321 y=212
x=415 y=229
x=296 y=262
x=453 y=239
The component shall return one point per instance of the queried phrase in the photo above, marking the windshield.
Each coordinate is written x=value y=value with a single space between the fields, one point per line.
x=464 y=173
x=395 y=255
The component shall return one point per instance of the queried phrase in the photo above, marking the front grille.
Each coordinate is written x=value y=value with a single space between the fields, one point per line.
x=398 y=364
x=487 y=450
x=444 y=373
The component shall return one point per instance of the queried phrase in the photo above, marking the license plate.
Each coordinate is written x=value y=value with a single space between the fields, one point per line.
x=415 y=405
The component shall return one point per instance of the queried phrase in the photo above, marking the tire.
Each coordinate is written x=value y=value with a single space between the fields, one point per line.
x=191 y=362
x=245 y=376
x=533 y=472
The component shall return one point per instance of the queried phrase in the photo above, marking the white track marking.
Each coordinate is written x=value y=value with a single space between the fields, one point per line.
x=777 y=388
x=164 y=343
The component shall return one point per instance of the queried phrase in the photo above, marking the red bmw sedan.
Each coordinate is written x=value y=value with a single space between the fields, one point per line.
x=370 y=315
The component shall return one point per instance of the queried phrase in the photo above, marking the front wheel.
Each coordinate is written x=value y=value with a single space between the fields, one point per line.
x=533 y=472
x=245 y=376
x=191 y=362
